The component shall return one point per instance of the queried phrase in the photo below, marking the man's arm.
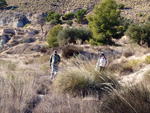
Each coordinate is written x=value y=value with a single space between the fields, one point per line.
x=59 y=59
x=50 y=61
x=106 y=63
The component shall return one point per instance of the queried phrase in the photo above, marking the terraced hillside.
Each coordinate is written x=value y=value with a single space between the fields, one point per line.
x=137 y=10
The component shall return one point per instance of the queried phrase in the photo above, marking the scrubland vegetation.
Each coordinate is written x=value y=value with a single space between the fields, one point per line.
x=79 y=87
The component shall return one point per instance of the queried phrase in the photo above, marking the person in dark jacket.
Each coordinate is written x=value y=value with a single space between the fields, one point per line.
x=54 y=62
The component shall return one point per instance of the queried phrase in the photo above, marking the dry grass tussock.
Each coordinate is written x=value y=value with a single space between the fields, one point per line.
x=80 y=77
x=129 y=66
x=16 y=92
x=134 y=99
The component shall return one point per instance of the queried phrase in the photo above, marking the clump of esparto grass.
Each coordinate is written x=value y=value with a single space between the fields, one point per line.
x=56 y=103
x=133 y=99
x=82 y=79
x=126 y=67
x=16 y=91
x=147 y=59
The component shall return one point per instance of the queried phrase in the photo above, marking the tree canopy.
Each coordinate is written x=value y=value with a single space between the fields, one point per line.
x=105 y=22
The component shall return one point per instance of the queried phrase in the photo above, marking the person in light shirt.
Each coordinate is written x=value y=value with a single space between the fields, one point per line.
x=102 y=63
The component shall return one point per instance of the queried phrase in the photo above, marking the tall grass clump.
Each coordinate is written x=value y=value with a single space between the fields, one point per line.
x=147 y=59
x=81 y=78
x=135 y=99
x=16 y=92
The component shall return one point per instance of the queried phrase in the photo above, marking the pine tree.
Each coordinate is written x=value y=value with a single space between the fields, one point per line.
x=105 y=23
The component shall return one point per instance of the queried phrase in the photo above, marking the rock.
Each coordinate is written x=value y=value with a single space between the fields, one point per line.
x=24 y=49
x=28 y=40
x=9 y=32
x=14 y=19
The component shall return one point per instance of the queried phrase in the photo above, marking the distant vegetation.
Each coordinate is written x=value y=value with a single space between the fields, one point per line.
x=71 y=35
x=139 y=33
x=105 y=23
x=68 y=16
x=52 y=36
x=80 y=15
x=3 y=4
x=53 y=16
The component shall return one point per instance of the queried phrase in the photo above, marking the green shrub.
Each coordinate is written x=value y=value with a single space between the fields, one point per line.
x=121 y=6
x=82 y=79
x=80 y=15
x=3 y=4
x=133 y=99
x=140 y=14
x=70 y=35
x=68 y=16
x=147 y=59
x=52 y=36
x=53 y=16
x=26 y=25
x=69 y=22
x=53 y=22
x=105 y=22
x=139 y=33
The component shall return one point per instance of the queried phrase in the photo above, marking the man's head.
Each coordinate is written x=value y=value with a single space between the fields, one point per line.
x=102 y=55
x=55 y=51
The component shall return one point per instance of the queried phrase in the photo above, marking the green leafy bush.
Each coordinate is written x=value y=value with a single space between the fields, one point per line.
x=52 y=36
x=3 y=4
x=140 y=14
x=139 y=33
x=70 y=35
x=68 y=16
x=53 y=16
x=121 y=6
x=69 y=22
x=105 y=22
x=80 y=15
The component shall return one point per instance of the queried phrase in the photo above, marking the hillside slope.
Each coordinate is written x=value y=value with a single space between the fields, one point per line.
x=132 y=7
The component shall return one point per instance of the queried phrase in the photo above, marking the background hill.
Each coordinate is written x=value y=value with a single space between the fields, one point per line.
x=133 y=8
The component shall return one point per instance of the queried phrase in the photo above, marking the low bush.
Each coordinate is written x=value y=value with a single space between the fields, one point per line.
x=70 y=51
x=121 y=6
x=139 y=33
x=81 y=78
x=69 y=22
x=68 y=16
x=128 y=54
x=53 y=16
x=70 y=35
x=80 y=15
x=147 y=59
x=140 y=14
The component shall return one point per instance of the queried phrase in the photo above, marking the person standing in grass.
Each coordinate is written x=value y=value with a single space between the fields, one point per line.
x=54 y=62
x=102 y=63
